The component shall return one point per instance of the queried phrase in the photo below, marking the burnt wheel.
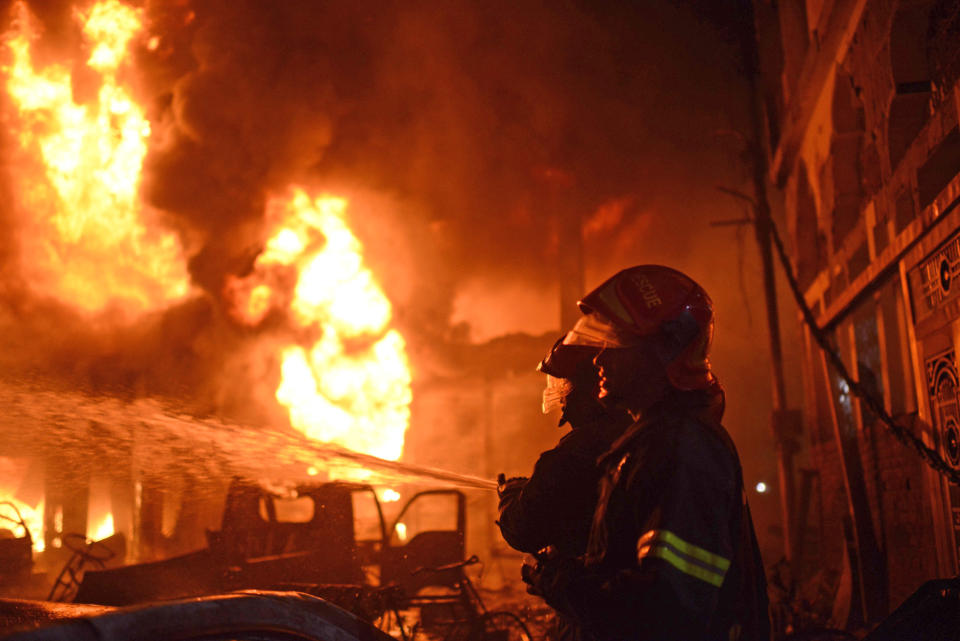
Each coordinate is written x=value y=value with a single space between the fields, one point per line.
x=85 y=553
x=91 y=551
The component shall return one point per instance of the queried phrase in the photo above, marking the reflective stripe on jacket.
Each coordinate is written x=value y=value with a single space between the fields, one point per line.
x=672 y=552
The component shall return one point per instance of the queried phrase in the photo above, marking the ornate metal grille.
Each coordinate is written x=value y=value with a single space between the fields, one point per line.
x=933 y=282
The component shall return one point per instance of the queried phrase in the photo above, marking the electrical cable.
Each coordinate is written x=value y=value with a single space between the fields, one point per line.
x=929 y=455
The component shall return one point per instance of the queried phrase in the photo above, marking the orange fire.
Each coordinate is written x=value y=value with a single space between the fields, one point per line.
x=32 y=517
x=349 y=383
x=97 y=531
x=83 y=238
x=86 y=239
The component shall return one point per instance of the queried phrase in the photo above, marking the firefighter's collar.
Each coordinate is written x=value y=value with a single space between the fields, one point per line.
x=672 y=405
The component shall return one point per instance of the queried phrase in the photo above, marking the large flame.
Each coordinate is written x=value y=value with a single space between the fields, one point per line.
x=101 y=529
x=83 y=239
x=349 y=383
x=32 y=517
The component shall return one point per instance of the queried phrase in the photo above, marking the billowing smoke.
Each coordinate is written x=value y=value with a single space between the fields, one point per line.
x=455 y=113
x=448 y=123
x=452 y=119
x=461 y=132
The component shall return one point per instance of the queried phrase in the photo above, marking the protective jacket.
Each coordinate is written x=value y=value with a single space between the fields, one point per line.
x=556 y=504
x=672 y=552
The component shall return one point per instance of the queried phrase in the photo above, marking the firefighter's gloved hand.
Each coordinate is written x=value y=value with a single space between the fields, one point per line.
x=507 y=488
x=549 y=577
x=532 y=567
x=530 y=573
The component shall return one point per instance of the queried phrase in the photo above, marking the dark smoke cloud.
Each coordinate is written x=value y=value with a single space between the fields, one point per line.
x=461 y=131
x=454 y=119
x=250 y=114
x=459 y=111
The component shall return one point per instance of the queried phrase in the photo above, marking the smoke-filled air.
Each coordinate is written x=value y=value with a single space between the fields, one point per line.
x=292 y=216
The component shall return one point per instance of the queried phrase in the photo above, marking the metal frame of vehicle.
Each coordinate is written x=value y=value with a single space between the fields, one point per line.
x=250 y=551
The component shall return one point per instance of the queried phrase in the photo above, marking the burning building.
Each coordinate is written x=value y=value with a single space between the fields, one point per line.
x=260 y=238
x=861 y=100
x=246 y=296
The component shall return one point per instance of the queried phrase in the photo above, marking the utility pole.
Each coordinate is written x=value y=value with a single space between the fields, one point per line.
x=867 y=556
x=781 y=421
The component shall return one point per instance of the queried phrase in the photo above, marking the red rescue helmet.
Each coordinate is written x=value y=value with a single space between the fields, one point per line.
x=662 y=305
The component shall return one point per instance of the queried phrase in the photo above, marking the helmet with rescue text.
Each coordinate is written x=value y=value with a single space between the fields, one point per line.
x=653 y=326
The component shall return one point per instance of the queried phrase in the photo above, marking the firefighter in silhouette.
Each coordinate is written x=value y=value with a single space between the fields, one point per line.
x=671 y=551
x=553 y=508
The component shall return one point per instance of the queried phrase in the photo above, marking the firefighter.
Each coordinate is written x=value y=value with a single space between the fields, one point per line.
x=672 y=552
x=551 y=511
x=553 y=508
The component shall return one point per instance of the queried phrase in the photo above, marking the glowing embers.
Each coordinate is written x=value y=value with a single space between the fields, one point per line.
x=82 y=140
x=347 y=380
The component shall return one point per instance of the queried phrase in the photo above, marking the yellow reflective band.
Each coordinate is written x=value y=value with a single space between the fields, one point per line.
x=683 y=565
x=666 y=536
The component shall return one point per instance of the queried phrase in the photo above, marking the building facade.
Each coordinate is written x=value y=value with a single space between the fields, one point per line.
x=862 y=105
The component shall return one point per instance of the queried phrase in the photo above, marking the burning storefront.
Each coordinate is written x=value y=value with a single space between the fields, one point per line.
x=321 y=249
x=275 y=321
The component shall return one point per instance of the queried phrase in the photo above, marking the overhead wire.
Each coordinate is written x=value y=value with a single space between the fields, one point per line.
x=906 y=436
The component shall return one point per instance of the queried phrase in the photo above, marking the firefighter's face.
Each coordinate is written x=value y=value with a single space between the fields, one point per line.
x=629 y=376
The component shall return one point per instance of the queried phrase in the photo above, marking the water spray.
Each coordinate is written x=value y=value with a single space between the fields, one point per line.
x=104 y=434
